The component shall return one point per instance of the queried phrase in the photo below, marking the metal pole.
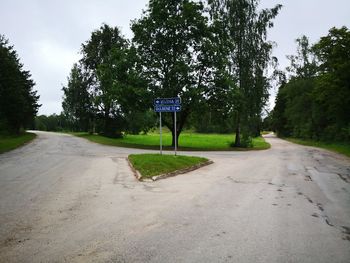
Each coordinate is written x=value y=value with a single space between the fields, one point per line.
x=160 y=131
x=175 y=134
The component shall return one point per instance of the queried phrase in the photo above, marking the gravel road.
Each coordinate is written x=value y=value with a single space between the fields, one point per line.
x=64 y=199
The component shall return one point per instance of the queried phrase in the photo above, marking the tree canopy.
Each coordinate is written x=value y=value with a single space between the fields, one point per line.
x=241 y=31
x=172 y=40
x=105 y=89
x=212 y=54
x=77 y=101
x=18 y=100
x=315 y=101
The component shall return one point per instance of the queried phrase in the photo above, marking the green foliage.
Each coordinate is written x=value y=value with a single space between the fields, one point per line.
x=77 y=102
x=315 y=102
x=211 y=118
x=105 y=91
x=54 y=122
x=187 y=141
x=104 y=60
x=267 y=124
x=155 y=164
x=138 y=121
x=18 y=100
x=10 y=142
x=244 y=54
x=213 y=55
x=172 y=40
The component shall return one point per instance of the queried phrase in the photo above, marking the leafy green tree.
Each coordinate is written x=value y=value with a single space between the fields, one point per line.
x=294 y=102
x=114 y=82
x=18 y=100
x=140 y=121
x=77 y=102
x=212 y=118
x=55 y=122
x=267 y=124
x=279 y=119
x=303 y=64
x=332 y=91
x=40 y=123
x=314 y=102
x=173 y=42
x=242 y=33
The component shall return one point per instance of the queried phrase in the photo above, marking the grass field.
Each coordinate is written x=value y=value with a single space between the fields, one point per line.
x=155 y=164
x=10 y=142
x=187 y=141
x=342 y=148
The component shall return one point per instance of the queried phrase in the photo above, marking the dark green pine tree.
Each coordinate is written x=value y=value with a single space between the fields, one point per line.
x=18 y=100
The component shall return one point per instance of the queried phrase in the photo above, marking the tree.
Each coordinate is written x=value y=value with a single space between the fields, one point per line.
x=172 y=40
x=314 y=103
x=77 y=102
x=294 y=101
x=303 y=64
x=242 y=31
x=55 y=122
x=113 y=80
x=332 y=91
x=18 y=100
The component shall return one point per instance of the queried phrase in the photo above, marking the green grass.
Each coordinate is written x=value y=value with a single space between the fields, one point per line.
x=10 y=142
x=343 y=148
x=187 y=141
x=155 y=164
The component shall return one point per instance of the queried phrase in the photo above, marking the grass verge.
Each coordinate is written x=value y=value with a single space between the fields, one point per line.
x=187 y=141
x=10 y=142
x=155 y=164
x=342 y=148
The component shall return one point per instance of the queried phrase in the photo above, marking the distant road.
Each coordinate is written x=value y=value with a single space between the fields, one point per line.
x=65 y=199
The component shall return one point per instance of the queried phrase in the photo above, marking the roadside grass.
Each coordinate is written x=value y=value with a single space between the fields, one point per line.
x=187 y=141
x=10 y=142
x=155 y=164
x=342 y=148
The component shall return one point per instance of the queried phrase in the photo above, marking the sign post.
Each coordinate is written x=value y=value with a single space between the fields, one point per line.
x=167 y=105
x=160 y=132
x=175 y=132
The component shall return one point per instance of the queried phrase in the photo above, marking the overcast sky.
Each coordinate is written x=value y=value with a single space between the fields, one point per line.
x=48 y=34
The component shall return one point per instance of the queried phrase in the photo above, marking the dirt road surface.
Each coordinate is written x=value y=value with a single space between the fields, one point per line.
x=64 y=199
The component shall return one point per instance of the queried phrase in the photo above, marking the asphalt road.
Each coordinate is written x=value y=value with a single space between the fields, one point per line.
x=64 y=199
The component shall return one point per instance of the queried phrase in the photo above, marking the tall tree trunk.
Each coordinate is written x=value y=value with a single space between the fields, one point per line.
x=173 y=138
x=238 y=132
x=107 y=123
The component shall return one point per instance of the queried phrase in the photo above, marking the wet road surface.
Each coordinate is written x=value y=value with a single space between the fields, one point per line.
x=64 y=199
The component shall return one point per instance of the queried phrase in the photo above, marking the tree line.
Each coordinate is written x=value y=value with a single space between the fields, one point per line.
x=313 y=101
x=213 y=54
x=18 y=99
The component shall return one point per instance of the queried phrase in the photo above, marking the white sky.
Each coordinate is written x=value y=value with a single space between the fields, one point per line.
x=48 y=34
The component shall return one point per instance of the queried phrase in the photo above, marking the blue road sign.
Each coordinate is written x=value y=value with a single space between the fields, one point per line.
x=167 y=108
x=167 y=101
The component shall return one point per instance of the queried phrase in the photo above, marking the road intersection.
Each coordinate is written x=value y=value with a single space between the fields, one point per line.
x=65 y=199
